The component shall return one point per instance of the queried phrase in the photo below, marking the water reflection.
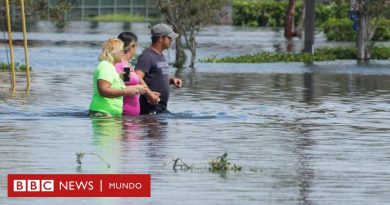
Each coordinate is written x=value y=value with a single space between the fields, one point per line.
x=305 y=172
x=119 y=136
x=155 y=130
x=106 y=127
x=308 y=85
x=128 y=128
x=155 y=127
x=290 y=45
x=126 y=26
x=319 y=133
x=94 y=25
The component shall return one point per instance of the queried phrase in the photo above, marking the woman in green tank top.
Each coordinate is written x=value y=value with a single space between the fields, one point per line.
x=108 y=86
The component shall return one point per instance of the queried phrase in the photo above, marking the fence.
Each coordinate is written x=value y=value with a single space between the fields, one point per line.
x=83 y=9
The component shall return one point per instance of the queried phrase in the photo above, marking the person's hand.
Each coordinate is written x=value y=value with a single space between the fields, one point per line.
x=134 y=90
x=140 y=89
x=177 y=82
x=153 y=98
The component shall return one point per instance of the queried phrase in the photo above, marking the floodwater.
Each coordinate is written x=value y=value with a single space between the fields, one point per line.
x=303 y=134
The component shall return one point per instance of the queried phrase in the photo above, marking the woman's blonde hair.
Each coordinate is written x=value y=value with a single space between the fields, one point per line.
x=111 y=50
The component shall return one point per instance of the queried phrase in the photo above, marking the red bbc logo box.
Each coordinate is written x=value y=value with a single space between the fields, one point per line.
x=79 y=185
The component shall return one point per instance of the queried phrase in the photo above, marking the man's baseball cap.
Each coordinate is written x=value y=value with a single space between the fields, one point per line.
x=163 y=29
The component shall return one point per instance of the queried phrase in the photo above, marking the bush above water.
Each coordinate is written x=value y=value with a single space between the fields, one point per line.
x=332 y=18
x=341 y=30
x=18 y=67
x=322 y=54
x=272 y=13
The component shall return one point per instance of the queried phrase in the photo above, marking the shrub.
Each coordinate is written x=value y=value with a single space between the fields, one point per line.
x=18 y=67
x=272 y=13
x=341 y=30
x=382 y=33
x=380 y=52
x=332 y=18
x=322 y=54
x=259 y=13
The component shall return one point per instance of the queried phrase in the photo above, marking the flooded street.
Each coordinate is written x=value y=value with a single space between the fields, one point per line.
x=303 y=134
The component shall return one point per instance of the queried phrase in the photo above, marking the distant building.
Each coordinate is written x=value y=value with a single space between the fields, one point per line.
x=83 y=9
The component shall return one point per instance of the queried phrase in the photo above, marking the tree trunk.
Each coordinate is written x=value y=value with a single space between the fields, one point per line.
x=180 y=54
x=309 y=26
x=363 y=38
x=193 y=57
x=289 y=24
x=192 y=49
x=191 y=44
x=299 y=28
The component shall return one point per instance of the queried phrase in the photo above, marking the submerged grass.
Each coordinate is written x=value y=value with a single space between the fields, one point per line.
x=4 y=67
x=322 y=54
x=80 y=156
x=220 y=164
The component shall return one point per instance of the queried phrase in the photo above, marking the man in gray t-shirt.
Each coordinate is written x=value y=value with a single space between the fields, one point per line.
x=152 y=68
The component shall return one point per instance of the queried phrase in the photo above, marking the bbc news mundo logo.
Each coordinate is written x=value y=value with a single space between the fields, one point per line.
x=79 y=185
x=33 y=185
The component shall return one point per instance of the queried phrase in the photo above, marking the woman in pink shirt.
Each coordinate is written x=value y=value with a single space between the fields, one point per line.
x=131 y=104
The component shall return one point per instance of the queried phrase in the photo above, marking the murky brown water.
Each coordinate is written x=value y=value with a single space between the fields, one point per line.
x=315 y=137
x=314 y=134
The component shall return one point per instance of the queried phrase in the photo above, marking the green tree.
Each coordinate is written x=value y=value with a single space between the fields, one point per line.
x=41 y=8
x=369 y=13
x=187 y=17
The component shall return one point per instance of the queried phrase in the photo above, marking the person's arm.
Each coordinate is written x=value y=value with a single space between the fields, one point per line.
x=153 y=97
x=105 y=90
x=141 y=76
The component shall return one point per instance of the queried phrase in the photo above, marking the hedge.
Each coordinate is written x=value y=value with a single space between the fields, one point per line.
x=341 y=30
x=6 y=67
x=322 y=54
x=272 y=13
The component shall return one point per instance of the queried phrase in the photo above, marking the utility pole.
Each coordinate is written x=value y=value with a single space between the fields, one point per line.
x=309 y=26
